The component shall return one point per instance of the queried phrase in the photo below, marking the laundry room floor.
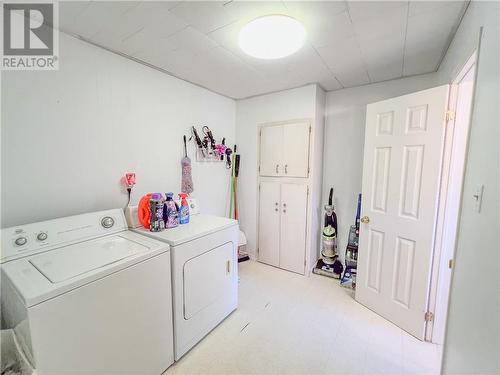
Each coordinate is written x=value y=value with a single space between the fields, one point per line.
x=290 y=324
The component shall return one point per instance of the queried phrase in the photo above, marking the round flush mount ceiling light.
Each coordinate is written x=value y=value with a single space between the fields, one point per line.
x=272 y=37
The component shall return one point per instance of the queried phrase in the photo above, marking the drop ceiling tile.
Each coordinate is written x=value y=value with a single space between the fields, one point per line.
x=428 y=36
x=146 y=41
x=342 y=55
x=99 y=15
x=386 y=71
x=152 y=14
x=419 y=61
x=383 y=56
x=204 y=16
x=69 y=11
x=367 y=9
x=419 y=7
x=330 y=83
x=356 y=76
x=374 y=20
x=245 y=11
x=192 y=40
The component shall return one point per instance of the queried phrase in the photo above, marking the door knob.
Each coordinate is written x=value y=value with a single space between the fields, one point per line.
x=276 y=209
x=365 y=219
x=277 y=165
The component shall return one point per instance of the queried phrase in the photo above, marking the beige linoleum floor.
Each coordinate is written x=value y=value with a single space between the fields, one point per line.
x=290 y=324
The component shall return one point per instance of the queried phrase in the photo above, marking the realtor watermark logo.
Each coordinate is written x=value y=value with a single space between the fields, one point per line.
x=30 y=37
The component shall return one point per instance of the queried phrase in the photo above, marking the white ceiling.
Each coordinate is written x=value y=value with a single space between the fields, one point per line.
x=350 y=43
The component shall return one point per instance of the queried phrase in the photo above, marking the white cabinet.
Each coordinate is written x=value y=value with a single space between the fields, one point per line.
x=284 y=150
x=282 y=225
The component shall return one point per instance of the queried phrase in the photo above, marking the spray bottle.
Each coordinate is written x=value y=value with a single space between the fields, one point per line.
x=183 y=209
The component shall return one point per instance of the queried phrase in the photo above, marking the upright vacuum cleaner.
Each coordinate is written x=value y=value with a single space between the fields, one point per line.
x=328 y=264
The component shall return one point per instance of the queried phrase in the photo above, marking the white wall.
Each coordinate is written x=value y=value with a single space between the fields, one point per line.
x=69 y=135
x=344 y=142
x=472 y=343
x=281 y=106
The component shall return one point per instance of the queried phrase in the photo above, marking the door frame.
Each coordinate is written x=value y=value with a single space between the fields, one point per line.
x=457 y=135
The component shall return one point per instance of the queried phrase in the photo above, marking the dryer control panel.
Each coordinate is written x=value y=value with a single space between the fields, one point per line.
x=29 y=239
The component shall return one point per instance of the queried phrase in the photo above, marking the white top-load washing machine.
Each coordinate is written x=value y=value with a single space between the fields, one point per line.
x=204 y=275
x=87 y=296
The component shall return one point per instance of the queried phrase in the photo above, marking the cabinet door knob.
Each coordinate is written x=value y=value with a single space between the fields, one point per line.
x=286 y=168
x=276 y=209
x=284 y=211
x=277 y=166
x=365 y=219
x=275 y=203
x=284 y=204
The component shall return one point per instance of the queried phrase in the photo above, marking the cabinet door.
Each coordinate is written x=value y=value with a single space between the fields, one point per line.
x=293 y=227
x=269 y=223
x=296 y=149
x=271 y=146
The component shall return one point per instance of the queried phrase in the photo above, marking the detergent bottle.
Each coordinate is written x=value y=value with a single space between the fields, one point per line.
x=183 y=209
x=156 y=213
x=170 y=212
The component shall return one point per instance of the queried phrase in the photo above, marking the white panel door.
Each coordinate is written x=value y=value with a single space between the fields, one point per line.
x=269 y=223
x=293 y=227
x=295 y=150
x=271 y=150
x=401 y=169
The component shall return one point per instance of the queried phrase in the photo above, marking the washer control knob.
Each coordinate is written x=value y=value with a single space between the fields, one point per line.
x=20 y=241
x=107 y=222
x=42 y=236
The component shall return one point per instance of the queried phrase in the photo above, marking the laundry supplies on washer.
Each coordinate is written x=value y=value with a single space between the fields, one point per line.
x=183 y=209
x=171 y=212
x=156 y=213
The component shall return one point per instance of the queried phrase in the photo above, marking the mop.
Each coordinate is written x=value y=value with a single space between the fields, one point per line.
x=187 y=179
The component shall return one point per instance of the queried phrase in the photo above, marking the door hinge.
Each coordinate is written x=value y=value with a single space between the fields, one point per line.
x=307 y=190
x=259 y=187
x=450 y=264
x=259 y=168
x=310 y=129
x=429 y=316
x=449 y=115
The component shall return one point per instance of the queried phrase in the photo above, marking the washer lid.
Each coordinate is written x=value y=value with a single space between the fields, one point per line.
x=40 y=277
x=63 y=264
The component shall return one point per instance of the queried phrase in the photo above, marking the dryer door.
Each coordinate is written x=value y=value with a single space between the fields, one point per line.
x=208 y=279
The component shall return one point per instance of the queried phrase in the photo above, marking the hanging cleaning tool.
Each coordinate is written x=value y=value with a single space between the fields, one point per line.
x=198 y=141
x=209 y=139
x=187 y=178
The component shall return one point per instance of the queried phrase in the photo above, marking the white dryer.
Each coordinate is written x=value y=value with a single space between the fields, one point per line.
x=204 y=275
x=87 y=296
